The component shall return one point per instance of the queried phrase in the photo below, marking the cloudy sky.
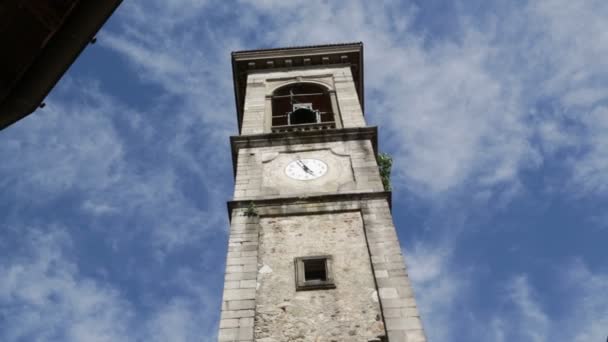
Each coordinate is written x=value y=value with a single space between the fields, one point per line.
x=112 y=197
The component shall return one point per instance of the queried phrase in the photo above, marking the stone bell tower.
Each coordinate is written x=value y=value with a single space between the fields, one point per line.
x=313 y=254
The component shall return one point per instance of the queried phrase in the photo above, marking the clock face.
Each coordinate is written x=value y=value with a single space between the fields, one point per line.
x=305 y=169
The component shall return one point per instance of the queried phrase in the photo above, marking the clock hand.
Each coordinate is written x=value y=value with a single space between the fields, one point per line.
x=307 y=169
x=304 y=167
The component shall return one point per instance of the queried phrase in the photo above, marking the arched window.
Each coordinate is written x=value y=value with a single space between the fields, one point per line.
x=301 y=105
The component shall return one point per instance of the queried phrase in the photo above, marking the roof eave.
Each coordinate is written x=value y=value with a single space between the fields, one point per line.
x=83 y=23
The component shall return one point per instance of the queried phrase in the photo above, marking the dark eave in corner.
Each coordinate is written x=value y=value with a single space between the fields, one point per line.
x=244 y=62
x=39 y=40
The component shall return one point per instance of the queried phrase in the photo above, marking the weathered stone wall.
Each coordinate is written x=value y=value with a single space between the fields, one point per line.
x=350 y=312
x=244 y=266
x=260 y=170
x=261 y=84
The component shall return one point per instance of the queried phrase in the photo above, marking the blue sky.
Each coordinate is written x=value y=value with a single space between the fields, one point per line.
x=112 y=197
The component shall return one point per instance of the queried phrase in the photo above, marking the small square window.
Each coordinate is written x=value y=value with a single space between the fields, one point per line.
x=314 y=272
x=314 y=269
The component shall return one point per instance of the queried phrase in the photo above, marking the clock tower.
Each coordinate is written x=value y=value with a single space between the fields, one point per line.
x=313 y=254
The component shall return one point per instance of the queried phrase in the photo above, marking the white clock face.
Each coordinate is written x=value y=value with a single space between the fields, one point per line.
x=305 y=169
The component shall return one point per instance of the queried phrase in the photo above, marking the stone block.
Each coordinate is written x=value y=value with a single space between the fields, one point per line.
x=248 y=283
x=246 y=322
x=241 y=276
x=388 y=293
x=397 y=272
x=234 y=269
x=397 y=336
x=415 y=336
x=394 y=323
x=237 y=313
x=405 y=291
x=413 y=323
x=240 y=304
x=409 y=312
x=246 y=333
x=396 y=258
x=239 y=294
x=399 y=303
x=241 y=261
x=392 y=313
x=250 y=268
x=232 y=285
x=229 y=334
x=229 y=323
x=392 y=282
x=381 y=274
x=245 y=248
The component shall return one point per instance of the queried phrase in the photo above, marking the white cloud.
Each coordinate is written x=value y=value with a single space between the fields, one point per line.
x=590 y=314
x=120 y=166
x=452 y=120
x=573 y=42
x=45 y=297
x=179 y=321
x=554 y=136
x=99 y=208
x=591 y=171
x=168 y=45
x=532 y=319
x=438 y=286
x=524 y=317
x=585 y=96
x=446 y=292
x=457 y=113
x=456 y=124
x=63 y=147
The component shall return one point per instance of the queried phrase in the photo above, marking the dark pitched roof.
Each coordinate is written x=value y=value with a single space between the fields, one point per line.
x=39 y=41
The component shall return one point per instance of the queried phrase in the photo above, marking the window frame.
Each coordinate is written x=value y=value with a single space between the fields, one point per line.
x=300 y=270
x=330 y=108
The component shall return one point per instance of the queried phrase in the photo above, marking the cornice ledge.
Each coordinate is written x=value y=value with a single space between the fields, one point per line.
x=288 y=138
x=295 y=51
x=305 y=137
x=261 y=203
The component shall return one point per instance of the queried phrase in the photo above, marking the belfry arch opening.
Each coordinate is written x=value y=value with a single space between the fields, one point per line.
x=302 y=106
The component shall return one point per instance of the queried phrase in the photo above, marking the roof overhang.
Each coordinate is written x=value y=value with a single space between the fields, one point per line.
x=245 y=62
x=40 y=40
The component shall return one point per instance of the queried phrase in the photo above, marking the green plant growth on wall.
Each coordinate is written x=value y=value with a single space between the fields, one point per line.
x=385 y=162
x=252 y=210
